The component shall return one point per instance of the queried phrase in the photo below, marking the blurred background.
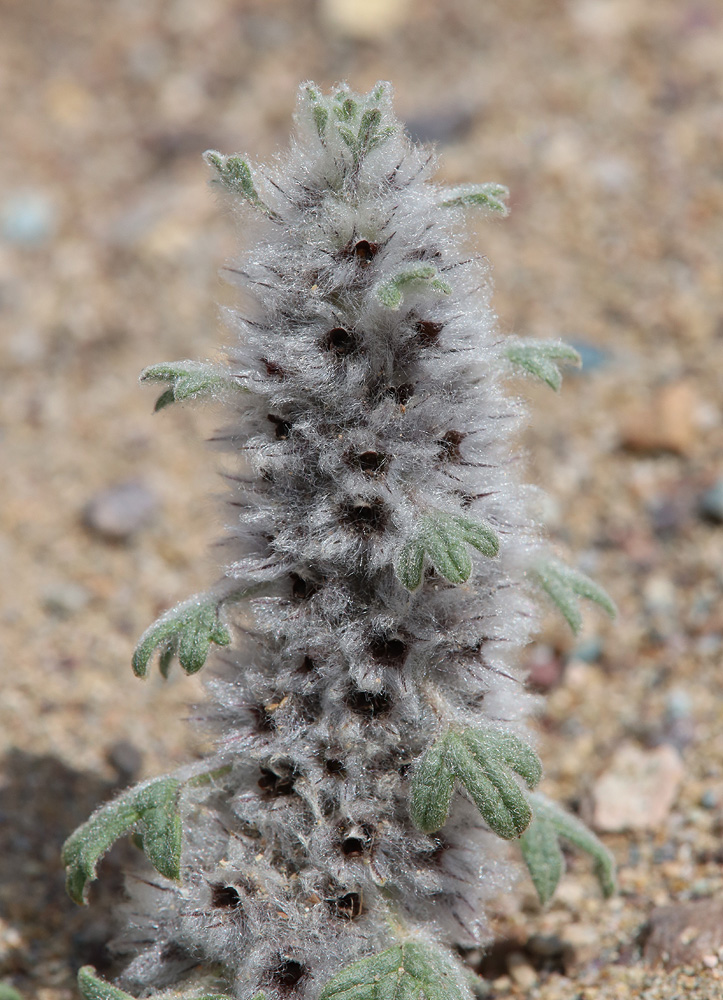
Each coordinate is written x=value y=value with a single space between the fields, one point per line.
x=605 y=119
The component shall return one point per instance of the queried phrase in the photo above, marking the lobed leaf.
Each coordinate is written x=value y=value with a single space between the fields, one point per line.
x=235 y=175
x=564 y=586
x=444 y=538
x=391 y=292
x=404 y=972
x=185 y=631
x=188 y=380
x=541 y=848
x=481 y=759
x=151 y=809
x=542 y=358
x=490 y=196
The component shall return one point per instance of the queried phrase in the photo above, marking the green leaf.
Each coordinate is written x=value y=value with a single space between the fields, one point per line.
x=235 y=175
x=479 y=535
x=490 y=196
x=403 y=972
x=369 y=130
x=347 y=109
x=391 y=293
x=319 y=112
x=444 y=538
x=92 y=987
x=321 y=117
x=189 y=380
x=543 y=856
x=542 y=358
x=431 y=789
x=8 y=992
x=151 y=810
x=410 y=564
x=160 y=821
x=564 y=586
x=482 y=761
x=185 y=631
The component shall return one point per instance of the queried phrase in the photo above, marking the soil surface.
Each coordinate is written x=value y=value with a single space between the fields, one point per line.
x=605 y=119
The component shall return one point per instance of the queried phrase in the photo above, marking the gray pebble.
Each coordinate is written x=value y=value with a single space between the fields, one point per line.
x=710 y=503
x=27 y=218
x=63 y=600
x=120 y=511
x=126 y=760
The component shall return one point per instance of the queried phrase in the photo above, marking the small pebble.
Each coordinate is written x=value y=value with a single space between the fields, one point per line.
x=363 y=19
x=126 y=760
x=589 y=650
x=443 y=125
x=581 y=945
x=710 y=503
x=120 y=511
x=685 y=933
x=638 y=789
x=520 y=970
x=27 y=218
x=667 y=422
x=546 y=945
x=592 y=357
x=63 y=600
x=709 y=799
x=545 y=668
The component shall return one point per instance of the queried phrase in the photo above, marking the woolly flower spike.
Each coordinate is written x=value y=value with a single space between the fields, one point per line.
x=377 y=541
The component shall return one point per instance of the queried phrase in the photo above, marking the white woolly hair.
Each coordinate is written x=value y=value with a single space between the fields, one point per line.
x=358 y=418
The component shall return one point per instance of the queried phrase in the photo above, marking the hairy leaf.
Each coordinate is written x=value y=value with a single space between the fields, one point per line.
x=482 y=760
x=404 y=972
x=490 y=196
x=92 y=987
x=391 y=292
x=151 y=809
x=189 y=380
x=318 y=110
x=541 y=848
x=410 y=564
x=543 y=358
x=564 y=586
x=431 y=789
x=185 y=631
x=444 y=538
x=235 y=175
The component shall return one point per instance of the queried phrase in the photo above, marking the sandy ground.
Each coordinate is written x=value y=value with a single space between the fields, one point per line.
x=605 y=118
